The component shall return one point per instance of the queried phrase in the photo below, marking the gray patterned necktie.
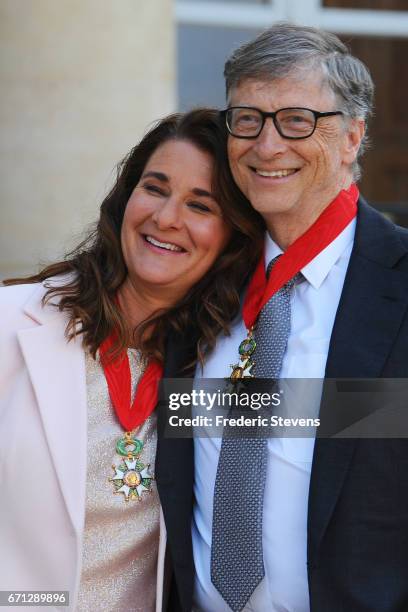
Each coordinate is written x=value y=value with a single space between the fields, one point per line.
x=236 y=551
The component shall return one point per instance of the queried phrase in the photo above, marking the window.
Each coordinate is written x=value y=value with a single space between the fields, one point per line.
x=202 y=51
x=378 y=36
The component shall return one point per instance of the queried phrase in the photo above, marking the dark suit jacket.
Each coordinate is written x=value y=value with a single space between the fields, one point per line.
x=358 y=503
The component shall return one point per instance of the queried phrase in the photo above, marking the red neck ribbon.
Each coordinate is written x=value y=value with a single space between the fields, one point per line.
x=335 y=217
x=118 y=378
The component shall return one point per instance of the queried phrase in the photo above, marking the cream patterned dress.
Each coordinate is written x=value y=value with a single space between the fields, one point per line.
x=121 y=538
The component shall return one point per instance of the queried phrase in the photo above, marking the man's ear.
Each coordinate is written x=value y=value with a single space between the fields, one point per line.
x=355 y=131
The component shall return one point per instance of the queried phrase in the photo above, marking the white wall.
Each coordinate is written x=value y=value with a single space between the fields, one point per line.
x=80 y=81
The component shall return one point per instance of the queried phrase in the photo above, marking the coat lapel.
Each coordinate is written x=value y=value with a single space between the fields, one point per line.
x=57 y=371
x=373 y=303
x=179 y=352
x=175 y=472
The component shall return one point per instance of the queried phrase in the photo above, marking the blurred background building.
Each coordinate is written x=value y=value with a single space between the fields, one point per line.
x=82 y=79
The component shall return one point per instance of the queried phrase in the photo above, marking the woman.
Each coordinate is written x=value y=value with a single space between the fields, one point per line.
x=174 y=242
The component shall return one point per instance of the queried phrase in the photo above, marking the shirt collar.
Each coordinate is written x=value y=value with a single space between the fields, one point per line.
x=316 y=271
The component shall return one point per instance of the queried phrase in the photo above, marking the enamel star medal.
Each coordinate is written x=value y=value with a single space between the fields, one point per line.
x=131 y=477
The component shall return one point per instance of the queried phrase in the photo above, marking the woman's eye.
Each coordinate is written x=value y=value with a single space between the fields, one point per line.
x=153 y=189
x=199 y=206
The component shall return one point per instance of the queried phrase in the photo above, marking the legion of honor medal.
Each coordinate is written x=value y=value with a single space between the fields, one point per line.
x=132 y=477
x=243 y=369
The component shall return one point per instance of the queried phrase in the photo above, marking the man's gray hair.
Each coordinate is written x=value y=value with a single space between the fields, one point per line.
x=285 y=50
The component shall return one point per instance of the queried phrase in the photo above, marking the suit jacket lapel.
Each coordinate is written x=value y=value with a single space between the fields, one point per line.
x=57 y=373
x=175 y=473
x=171 y=456
x=373 y=303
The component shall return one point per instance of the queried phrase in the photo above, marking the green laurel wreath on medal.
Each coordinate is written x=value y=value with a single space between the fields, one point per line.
x=132 y=477
x=243 y=369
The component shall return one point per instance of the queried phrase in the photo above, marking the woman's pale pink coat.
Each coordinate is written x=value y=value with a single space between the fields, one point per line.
x=43 y=439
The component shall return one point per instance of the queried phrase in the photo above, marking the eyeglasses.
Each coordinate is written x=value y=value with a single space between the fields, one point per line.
x=294 y=123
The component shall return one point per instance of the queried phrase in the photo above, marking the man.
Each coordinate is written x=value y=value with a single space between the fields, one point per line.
x=331 y=531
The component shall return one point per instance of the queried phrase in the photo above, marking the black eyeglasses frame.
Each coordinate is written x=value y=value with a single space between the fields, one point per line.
x=317 y=115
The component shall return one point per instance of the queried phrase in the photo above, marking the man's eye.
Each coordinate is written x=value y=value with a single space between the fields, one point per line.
x=247 y=119
x=297 y=120
x=293 y=118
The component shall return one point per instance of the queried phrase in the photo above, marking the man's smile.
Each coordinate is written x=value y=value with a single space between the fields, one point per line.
x=275 y=173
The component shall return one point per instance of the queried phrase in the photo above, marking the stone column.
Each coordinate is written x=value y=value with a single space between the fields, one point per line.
x=80 y=81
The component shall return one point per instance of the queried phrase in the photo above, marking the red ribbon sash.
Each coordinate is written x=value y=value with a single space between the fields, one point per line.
x=333 y=220
x=118 y=378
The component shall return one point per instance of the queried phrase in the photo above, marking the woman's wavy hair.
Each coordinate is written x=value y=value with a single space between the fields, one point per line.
x=94 y=271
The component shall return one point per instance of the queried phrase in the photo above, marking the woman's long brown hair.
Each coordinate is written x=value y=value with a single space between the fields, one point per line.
x=94 y=271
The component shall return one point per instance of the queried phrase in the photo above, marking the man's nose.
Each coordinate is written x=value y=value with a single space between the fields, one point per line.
x=269 y=142
x=168 y=214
